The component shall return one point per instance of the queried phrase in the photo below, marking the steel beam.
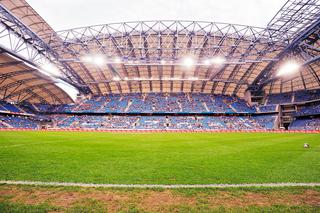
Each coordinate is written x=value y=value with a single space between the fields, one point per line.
x=22 y=38
x=266 y=74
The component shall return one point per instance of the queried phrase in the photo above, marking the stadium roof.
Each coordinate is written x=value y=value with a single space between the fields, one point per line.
x=151 y=56
x=175 y=56
x=23 y=81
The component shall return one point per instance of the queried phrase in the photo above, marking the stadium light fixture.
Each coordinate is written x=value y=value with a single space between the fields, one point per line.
x=218 y=60
x=289 y=67
x=207 y=62
x=94 y=59
x=116 y=78
x=193 y=78
x=98 y=60
x=117 y=60
x=188 y=62
x=87 y=59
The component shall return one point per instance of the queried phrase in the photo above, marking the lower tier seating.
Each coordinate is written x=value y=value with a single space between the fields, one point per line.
x=305 y=124
x=166 y=122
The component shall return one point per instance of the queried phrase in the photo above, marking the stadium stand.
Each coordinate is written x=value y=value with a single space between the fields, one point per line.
x=5 y=106
x=266 y=108
x=265 y=121
x=307 y=95
x=165 y=122
x=17 y=122
x=147 y=90
x=153 y=102
x=280 y=98
x=305 y=124
x=164 y=111
x=310 y=109
x=294 y=97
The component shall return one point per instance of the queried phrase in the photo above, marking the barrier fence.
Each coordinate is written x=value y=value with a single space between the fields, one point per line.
x=157 y=130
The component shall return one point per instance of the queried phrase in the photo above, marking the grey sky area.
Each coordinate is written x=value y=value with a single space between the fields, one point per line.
x=65 y=14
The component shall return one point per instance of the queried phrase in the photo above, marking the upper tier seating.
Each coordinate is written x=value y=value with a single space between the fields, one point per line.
x=309 y=110
x=5 y=106
x=308 y=95
x=280 y=98
x=294 y=97
x=267 y=108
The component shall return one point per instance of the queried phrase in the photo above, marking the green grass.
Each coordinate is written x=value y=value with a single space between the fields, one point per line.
x=159 y=158
x=7 y=207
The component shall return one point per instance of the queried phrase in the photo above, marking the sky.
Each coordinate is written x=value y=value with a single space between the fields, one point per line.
x=67 y=14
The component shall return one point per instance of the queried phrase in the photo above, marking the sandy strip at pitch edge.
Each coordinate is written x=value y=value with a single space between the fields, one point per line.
x=164 y=186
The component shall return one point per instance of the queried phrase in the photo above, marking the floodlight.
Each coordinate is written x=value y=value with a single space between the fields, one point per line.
x=289 y=67
x=188 y=62
x=117 y=60
x=87 y=59
x=98 y=60
x=116 y=78
x=193 y=78
x=207 y=62
x=218 y=60
x=163 y=61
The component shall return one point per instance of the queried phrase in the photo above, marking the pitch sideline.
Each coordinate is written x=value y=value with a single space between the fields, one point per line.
x=163 y=186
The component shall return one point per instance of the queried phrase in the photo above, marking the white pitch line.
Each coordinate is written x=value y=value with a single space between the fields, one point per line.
x=164 y=186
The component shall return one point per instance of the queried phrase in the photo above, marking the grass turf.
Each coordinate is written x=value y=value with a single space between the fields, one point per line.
x=159 y=158
x=90 y=205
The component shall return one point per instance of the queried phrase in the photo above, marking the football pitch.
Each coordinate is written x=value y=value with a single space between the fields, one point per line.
x=159 y=158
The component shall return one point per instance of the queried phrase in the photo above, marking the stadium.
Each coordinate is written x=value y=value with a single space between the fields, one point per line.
x=160 y=115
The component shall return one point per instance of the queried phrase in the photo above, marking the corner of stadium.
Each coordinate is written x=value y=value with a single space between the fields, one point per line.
x=161 y=115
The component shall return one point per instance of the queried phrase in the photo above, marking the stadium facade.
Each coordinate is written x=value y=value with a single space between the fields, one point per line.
x=166 y=75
